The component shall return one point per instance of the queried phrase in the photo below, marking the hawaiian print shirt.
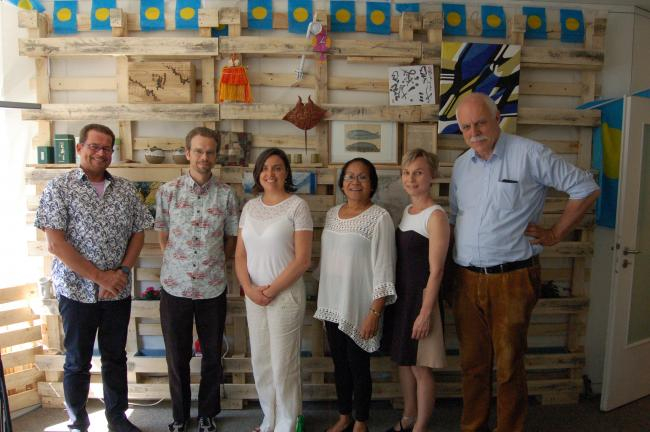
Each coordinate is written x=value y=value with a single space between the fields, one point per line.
x=196 y=218
x=99 y=228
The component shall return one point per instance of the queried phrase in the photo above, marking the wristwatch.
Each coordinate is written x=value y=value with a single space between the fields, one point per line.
x=125 y=269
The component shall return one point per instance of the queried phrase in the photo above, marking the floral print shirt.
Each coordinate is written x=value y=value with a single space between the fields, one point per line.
x=196 y=219
x=99 y=228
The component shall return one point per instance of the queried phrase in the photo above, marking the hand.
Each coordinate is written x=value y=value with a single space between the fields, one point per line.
x=370 y=326
x=256 y=295
x=541 y=236
x=421 y=326
x=111 y=282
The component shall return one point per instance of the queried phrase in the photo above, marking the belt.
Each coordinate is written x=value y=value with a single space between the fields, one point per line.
x=502 y=268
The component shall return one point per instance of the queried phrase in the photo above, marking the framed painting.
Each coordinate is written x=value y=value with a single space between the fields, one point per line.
x=375 y=141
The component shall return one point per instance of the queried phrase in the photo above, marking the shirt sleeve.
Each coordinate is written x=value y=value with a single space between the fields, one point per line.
x=142 y=219
x=453 y=203
x=383 y=259
x=302 y=217
x=52 y=210
x=551 y=170
x=232 y=214
x=162 y=209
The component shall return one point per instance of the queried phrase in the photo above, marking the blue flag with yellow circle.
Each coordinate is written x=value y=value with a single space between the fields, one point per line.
x=407 y=7
x=152 y=15
x=454 y=19
x=260 y=14
x=572 y=26
x=535 y=23
x=28 y=4
x=100 y=14
x=343 y=16
x=300 y=15
x=64 y=17
x=493 y=19
x=221 y=30
x=187 y=14
x=378 y=17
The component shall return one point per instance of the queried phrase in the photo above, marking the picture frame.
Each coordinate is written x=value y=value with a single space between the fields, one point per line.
x=375 y=141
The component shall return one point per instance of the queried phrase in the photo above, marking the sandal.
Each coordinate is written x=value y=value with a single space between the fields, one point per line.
x=401 y=428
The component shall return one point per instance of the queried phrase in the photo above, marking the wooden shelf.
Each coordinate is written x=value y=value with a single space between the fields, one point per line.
x=101 y=112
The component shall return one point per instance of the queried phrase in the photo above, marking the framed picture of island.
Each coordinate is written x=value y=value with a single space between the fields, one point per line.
x=375 y=141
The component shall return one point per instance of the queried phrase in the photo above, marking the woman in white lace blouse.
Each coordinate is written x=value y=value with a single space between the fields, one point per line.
x=273 y=252
x=357 y=274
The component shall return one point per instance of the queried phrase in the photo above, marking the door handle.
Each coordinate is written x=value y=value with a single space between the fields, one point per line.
x=627 y=251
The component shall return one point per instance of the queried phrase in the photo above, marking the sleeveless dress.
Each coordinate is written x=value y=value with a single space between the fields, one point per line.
x=411 y=279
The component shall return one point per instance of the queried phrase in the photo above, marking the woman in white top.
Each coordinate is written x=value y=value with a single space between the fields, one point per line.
x=273 y=252
x=414 y=321
x=356 y=282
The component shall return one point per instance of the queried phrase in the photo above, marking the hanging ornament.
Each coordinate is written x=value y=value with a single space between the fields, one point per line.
x=234 y=85
x=305 y=116
x=321 y=43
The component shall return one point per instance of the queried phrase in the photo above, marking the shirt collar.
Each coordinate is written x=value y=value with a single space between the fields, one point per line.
x=79 y=174
x=499 y=148
x=192 y=185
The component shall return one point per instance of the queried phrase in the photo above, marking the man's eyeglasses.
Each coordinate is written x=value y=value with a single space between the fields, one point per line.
x=360 y=178
x=97 y=148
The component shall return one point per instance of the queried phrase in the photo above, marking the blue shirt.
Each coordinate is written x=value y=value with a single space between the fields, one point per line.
x=492 y=202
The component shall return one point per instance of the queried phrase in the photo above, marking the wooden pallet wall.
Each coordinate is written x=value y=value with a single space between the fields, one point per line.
x=556 y=357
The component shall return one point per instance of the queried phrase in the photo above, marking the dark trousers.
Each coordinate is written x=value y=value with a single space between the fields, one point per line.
x=351 y=373
x=109 y=320
x=176 y=316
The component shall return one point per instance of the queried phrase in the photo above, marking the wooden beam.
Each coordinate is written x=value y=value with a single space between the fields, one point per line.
x=160 y=112
x=558 y=117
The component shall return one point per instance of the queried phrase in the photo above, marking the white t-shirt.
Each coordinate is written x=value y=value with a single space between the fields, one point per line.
x=357 y=266
x=267 y=232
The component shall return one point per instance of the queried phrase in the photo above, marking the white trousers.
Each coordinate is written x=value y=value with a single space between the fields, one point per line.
x=275 y=335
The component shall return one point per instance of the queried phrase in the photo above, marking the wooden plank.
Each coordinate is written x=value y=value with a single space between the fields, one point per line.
x=562 y=58
x=119 y=23
x=132 y=46
x=17 y=337
x=24 y=400
x=558 y=117
x=22 y=357
x=260 y=111
x=22 y=292
x=143 y=143
x=162 y=82
x=544 y=88
x=23 y=378
x=160 y=112
x=13 y=316
x=83 y=83
x=456 y=142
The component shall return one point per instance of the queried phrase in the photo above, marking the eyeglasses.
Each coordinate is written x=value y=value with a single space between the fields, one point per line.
x=199 y=153
x=360 y=178
x=97 y=148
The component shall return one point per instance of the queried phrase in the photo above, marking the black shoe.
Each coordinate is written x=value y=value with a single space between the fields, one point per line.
x=177 y=427
x=123 y=425
x=207 y=424
x=401 y=428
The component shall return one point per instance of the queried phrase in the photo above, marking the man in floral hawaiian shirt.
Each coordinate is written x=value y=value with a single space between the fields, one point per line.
x=197 y=217
x=94 y=223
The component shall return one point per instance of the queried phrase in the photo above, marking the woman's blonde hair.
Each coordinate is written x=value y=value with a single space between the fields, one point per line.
x=430 y=158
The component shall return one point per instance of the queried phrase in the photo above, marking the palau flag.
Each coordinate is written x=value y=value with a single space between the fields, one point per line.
x=28 y=4
x=454 y=19
x=535 y=23
x=300 y=15
x=343 y=16
x=494 y=21
x=572 y=26
x=187 y=14
x=222 y=30
x=65 y=17
x=378 y=17
x=100 y=14
x=407 y=7
x=260 y=14
x=152 y=15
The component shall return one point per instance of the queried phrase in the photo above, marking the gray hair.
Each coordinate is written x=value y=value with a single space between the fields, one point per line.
x=430 y=158
x=483 y=98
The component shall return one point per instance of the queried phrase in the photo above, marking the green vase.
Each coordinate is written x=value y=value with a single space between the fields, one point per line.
x=300 y=424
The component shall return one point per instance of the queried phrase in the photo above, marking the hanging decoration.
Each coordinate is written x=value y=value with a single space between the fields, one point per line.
x=305 y=116
x=64 y=19
x=100 y=14
x=234 y=85
x=321 y=43
x=535 y=23
x=28 y=4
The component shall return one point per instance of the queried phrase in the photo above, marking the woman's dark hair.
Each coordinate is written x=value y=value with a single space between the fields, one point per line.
x=374 y=180
x=259 y=165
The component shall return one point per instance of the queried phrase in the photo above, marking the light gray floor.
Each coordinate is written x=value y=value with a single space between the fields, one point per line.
x=584 y=416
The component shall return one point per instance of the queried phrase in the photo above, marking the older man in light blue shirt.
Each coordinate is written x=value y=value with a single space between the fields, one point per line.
x=497 y=196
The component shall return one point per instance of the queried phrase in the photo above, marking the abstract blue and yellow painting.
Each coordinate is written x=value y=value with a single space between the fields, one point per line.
x=28 y=4
x=260 y=14
x=572 y=26
x=100 y=14
x=454 y=19
x=152 y=15
x=493 y=19
x=378 y=17
x=64 y=17
x=300 y=15
x=187 y=14
x=535 y=23
x=343 y=16
x=492 y=69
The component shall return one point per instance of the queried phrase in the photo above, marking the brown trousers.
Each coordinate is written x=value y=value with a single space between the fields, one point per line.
x=492 y=313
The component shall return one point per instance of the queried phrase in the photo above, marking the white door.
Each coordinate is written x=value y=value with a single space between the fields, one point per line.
x=627 y=351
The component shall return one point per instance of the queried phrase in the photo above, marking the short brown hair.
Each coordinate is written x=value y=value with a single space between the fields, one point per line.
x=430 y=158
x=204 y=132
x=83 y=135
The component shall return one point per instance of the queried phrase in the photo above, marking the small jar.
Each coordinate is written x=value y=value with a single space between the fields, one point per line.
x=45 y=287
